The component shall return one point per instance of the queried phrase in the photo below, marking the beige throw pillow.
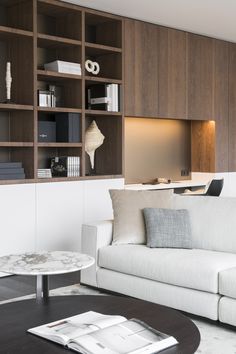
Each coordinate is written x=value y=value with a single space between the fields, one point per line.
x=127 y=205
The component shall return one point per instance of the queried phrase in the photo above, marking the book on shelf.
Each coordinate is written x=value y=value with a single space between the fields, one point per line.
x=63 y=67
x=65 y=166
x=11 y=170
x=44 y=173
x=68 y=127
x=50 y=97
x=95 y=333
x=104 y=97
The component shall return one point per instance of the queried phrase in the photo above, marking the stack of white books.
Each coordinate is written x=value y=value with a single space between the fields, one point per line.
x=44 y=173
x=63 y=67
x=73 y=166
x=113 y=97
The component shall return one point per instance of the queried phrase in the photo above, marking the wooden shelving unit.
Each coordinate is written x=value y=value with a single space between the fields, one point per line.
x=32 y=33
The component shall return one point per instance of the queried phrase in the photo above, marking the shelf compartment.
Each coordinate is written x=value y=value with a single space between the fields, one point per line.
x=19 y=154
x=110 y=63
x=18 y=51
x=57 y=20
x=64 y=128
x=56 y=76
x=49 y=54
x=17 y=14
x=105 y=30
x=108 y=157
x=45 y=154
x=69 y=91
x=48 y=41
x=16 y=128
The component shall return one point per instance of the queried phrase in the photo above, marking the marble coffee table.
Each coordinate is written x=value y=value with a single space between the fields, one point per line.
x=43 y=264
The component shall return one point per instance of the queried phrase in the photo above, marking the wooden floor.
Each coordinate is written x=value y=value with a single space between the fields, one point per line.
x=17 y=285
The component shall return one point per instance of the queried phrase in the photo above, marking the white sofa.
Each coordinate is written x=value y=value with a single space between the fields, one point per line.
x=200 y=281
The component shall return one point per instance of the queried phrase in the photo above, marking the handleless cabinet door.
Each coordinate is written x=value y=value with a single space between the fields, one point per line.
x=200 y=77
x=232 y=108
x=172 y=73
x=221 y=104
x=141 y=69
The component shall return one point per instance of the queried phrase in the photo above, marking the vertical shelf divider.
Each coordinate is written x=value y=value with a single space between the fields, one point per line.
x=83 y=95
x=35 y=64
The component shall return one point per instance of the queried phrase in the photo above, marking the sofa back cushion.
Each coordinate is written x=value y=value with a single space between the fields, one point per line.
x=128 y=208
x=213 y=221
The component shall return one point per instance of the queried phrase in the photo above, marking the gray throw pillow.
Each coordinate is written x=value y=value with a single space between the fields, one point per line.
x=168 y=228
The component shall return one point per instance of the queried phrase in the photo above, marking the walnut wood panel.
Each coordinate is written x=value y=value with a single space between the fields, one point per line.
x=200 y=77
x=21 y=127
x=221 y=105
x=203 y=146
x=21 y=57
x=232 y=107
x=172 y=74
x=19 y=15
x=141 y=69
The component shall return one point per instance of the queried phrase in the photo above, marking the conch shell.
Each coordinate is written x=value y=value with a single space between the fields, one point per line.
x=93 y=139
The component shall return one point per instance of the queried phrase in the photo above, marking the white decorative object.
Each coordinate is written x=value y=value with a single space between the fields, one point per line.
x=93 y=139
x=92 y=67
x=8 y=81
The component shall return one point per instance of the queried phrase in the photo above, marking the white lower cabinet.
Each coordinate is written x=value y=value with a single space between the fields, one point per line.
x=63 y=207
x=59 y=215
x=49 y=216
x=17 y=219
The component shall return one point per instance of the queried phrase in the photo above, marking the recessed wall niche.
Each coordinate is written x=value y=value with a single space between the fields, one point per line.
x=164 y=147
x=156 y=148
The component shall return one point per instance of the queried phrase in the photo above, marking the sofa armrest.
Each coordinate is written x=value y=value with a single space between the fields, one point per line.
x=94 y=236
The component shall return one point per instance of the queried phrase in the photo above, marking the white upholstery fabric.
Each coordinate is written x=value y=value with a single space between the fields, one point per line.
x=127 y=206
x=192 y=301
x=94 y=236
x=196 y=269
x=213 y=221
x=227 y=310
x=227 y=282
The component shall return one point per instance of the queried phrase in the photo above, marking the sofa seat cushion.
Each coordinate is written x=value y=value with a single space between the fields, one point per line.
x=227 y=282
x=194 y=269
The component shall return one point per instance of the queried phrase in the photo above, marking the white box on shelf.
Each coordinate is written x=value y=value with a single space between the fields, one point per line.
x=64 y=67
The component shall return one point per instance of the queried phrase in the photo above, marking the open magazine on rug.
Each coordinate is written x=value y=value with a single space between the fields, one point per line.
x=95 y=333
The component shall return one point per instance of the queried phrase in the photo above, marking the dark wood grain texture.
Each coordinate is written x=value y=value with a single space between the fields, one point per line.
x=141 y=69
x=203 y=146
x=172 y=74
x=232 y=107
x=200 y=77
x=16 y=318
x=221 y=105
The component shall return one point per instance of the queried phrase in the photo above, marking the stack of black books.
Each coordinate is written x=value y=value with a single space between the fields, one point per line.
x=11 y=170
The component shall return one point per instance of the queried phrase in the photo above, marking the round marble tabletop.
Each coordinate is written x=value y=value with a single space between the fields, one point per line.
x=45 y=263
